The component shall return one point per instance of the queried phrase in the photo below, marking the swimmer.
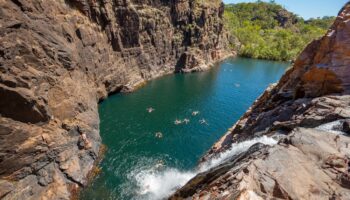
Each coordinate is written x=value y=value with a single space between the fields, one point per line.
x=150 y=109
x=177 y=122
x=203 y=121
x=159 y=135
x=186 y=121
x=195 y=113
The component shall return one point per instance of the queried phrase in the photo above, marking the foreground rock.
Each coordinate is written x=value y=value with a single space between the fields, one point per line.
x=312 y=161
x=59 y=58
x=308 y=164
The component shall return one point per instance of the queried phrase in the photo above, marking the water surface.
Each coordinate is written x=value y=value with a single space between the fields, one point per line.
x=140 y=165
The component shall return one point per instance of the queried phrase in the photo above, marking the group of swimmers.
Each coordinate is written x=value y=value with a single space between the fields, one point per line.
x=177 y=121
x=186 y=121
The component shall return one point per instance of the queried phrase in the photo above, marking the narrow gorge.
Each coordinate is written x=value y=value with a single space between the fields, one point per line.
x=61 y=59
x=152 y=152
x=307 y=112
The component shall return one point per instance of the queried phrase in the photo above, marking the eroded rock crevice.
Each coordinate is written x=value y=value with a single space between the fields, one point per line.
x=307 y=111
x=59 y=58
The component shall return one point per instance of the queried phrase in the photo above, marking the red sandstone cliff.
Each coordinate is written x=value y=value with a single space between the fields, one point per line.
x=309 y=162
x=59 y=58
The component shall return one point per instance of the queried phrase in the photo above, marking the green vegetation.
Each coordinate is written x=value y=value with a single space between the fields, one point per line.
x=268 y=31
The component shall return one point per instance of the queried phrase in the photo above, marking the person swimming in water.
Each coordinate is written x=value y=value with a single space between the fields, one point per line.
x=203 y=121
x=150 y=110
x=159 y=135
x=177 y=122
x=195 y=113
x=186 y=121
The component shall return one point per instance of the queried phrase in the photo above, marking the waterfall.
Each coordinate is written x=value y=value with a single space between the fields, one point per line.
x=332 y=127
x=159 y=184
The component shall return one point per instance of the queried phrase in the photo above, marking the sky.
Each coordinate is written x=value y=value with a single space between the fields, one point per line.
x=307 y=8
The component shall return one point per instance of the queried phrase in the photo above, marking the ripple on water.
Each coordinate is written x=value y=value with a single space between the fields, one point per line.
x=130 y=169
x=154 y=181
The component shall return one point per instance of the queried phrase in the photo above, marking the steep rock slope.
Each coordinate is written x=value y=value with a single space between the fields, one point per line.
x=58 y=58
x=312 y=158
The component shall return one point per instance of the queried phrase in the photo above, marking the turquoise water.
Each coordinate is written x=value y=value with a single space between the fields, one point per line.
x=141 y=163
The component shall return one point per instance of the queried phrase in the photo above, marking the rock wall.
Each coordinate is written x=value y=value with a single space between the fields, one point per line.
x=309 y=162
x=58 y=58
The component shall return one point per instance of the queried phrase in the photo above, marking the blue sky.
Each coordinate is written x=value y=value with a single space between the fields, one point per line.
x=307 y=8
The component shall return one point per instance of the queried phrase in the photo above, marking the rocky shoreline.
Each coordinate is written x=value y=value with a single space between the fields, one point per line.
x=58 y=59
x=308 y=113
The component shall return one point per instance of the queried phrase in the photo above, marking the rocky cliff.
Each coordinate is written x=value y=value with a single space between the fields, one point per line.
x=308 y=113
x=58 y=58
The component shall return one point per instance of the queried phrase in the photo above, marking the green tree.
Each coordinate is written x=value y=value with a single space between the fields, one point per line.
x=268 y=31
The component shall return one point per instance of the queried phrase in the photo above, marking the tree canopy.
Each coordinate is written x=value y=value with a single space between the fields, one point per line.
x=266 y=30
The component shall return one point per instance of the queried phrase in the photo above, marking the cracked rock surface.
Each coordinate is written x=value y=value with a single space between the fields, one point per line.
x=58 y=58
x=309 y=109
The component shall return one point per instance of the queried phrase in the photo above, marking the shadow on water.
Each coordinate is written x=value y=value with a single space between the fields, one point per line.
x=136 y=159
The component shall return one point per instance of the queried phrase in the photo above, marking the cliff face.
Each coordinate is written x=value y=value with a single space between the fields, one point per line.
x=312 y=157
x=59 y=58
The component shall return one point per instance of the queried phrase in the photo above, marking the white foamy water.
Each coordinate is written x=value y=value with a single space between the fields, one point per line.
x=236 y=148
x=156 y=184
x=160 y=184
x=332 y=127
